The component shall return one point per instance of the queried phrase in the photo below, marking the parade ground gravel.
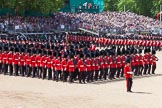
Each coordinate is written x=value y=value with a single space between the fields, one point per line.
x=20 y=92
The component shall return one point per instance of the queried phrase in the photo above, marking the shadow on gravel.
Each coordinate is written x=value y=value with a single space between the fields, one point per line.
x=122 y=79
x=142 y=92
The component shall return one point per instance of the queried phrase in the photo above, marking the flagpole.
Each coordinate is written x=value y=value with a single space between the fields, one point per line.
x=124 y=5
x=160 y=15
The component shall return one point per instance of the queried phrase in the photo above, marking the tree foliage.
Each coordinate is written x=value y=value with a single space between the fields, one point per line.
x=43 y=6
x=144 y=7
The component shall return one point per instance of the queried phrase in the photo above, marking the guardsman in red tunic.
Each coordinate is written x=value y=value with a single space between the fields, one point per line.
x=106 y=65
x=154 y=59
x=123 y=57
x=15 y=62
x=88 y=67
x=119 y=63
x=49 y=64
x=82 y=69
x=149 y=61
x=112 y=61
x=97 y=66
x=33 y=65
x=140 y=62
x=44 y=65
x=76 y=73
x=128 y=75
x=0 y=61
x=9 y=60
x=27 y=61
x=22 y=63
x=63 y=68
x=4 y=62
x=102 y=66
x=93 y=67
x=136 y=66
x=58 y=67
x=53 y=67
x=70 y=67
x=145 y=59
x=38 y=63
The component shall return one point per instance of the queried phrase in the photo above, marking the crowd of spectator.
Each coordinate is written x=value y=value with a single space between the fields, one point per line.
x=105 y=21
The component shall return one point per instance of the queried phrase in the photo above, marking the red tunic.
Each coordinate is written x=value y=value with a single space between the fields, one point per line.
x=0 y=58
x=70 y=66
x=106 y=64
x=145 y=59
x=63 y=64
x=140 y=60
x=96 y=61
x=153 y=60
x=22 y=60
x=126 y=70
x=38 y=60
x=136 y=60
x=44 y=61
x=119 y=63
x=123 y=60
x=9 y=58
x=81 y=66
x=58 y=64
x=88 y=65
x=15 y=59
x=48 y=62
x=112 y=63
x=27 y=59
x=32 y=61
x=102 y=63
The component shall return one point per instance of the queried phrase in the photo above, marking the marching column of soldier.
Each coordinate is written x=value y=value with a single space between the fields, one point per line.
x=59 y=61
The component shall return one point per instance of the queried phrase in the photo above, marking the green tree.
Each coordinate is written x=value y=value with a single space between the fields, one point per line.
x=156 y=8
x=43 y=6
x=111 y=5
x=130 y=5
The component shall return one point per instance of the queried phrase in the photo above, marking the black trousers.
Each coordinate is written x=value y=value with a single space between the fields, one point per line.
x=102 y=72
x=5 y=68
x=71 y=76
x=153 y=69
x=82 y=76
x=76 y=74
x=112 y=73
x=105 y=74
x=64 y=76
x=92 y=75
x=96 y=75
x=145 y=69
x=49 y=73
x=149 y=68
x=22 y=70
x=44 y=72
x=10 y=69
x=136 y=70
x=39 y=71
x=58 y=74
x=140 y=69
x=34 y=69
x=122 y=72
x=0 y=67
x=129 y=83
x=16 y=68
x=29 y=71
x=26 y=70
x=88 y=75
x=118 y=70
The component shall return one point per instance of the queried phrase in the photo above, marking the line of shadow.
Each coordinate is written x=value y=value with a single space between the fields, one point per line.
x=142 y=92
